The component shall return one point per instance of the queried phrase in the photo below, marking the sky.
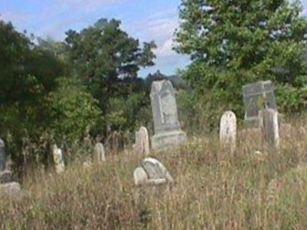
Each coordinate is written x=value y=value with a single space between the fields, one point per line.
x=145 y=20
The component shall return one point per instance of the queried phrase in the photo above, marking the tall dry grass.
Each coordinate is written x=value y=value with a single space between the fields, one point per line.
x=214 y=189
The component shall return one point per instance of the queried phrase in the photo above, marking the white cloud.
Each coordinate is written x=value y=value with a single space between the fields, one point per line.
x=166 y=49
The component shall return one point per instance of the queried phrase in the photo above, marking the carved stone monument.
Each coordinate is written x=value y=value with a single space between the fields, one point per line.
x=228 y=130
x=257 y=96
x=167 y=128
x=2 y=155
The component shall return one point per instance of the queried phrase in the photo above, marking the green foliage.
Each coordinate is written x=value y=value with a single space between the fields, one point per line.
x=233 y=43
x=103 y=53
x=27 y=76
x=107 y=61
x=129 y=113
x=74 y=111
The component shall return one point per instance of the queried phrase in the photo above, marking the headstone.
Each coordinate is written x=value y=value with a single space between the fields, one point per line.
x=11 y=190
x=167 y=128
x=258 y=96
x=99 y=152
x=2 y=155
x=140 y=176
x=58 y=159
x=228 y=130
x=268 y=119
x=152 y=172
x=142 y=141
x=87 y=164
x=6 y=176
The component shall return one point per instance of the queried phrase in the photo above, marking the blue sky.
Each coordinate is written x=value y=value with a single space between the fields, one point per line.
x=143 y=19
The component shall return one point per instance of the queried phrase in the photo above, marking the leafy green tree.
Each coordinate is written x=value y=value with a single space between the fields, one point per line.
x=74 y=111
x=103 y=53
x=107 y=61
x=27 y=76
x=232 y=43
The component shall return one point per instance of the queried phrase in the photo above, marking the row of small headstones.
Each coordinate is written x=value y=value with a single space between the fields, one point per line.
x=99 y=152
x=151 y=171
x=268 y=125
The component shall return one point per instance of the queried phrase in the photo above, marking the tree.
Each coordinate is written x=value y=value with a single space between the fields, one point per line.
x=107 y=61
x=74 y=111
x=103 y=53
x=27 y=75
x=232 y=43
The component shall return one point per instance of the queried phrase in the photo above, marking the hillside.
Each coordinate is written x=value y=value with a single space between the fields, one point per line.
x=252 y=188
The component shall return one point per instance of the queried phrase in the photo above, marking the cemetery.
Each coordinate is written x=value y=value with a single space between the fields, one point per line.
x=86 y=142
x=157 y=169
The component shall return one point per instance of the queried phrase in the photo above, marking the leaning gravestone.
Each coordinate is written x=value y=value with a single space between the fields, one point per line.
x=142 y=141
x=58 y=159
x=268 y=119
x=167 y=128
x=99 y=152
x=257 y=96
x=2 y=155
x=228 y=130
x=151 y=172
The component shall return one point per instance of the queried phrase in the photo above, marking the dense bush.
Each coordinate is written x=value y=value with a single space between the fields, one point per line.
x=238 y=42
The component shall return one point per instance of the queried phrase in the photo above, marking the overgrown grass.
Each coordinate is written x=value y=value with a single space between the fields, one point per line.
x=214 y=189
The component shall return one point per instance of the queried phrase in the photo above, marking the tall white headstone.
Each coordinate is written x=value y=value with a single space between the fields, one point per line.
x=58 y=159
x=228 y=130
x=99 y=152
x=142 y=141
x=168 y=131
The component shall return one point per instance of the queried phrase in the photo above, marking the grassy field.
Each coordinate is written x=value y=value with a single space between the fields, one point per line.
x=214 y=189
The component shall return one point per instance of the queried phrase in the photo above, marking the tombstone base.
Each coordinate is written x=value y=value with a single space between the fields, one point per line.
x=166 y=140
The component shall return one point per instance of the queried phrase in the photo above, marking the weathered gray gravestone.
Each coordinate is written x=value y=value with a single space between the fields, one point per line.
x=142 y=141
x=228 y=130
x=268 y=119
x=99 y=152
x=6 y=176
x=258 y=96
x=2 y=155
x=152 y=172
x=167 y=128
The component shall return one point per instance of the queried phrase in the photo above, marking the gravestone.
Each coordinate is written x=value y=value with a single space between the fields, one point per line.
x=228 y=130
x=258 y=96
x=140 y=176
x=167 y=128
x=99 y=152
x=58 y=159
x=2 y=155
x=268 y=122
x=152 y=172
x=6 y=176
x=142 y=141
